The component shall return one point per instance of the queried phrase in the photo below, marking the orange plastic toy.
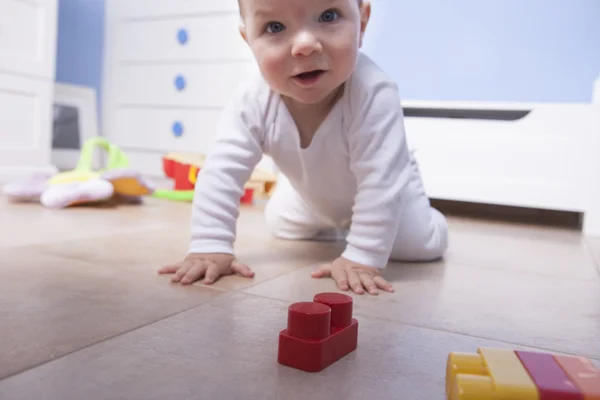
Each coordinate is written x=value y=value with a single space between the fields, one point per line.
x=184 y=168
x=502 y=374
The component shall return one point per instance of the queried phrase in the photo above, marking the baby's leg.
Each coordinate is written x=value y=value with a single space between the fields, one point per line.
x=423 y=230
x=289 y=217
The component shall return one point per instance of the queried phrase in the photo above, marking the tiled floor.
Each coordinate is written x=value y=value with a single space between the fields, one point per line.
x=83 y=314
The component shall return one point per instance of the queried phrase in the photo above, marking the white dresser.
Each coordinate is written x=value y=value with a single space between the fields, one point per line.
x=27 y=69
x=170 y=68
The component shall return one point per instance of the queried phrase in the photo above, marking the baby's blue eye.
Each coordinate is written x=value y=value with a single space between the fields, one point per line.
x=329 y=16
x=274 y=27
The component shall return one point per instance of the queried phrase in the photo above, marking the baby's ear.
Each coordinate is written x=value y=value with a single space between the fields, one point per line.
x=243 y=32
x=365 y=15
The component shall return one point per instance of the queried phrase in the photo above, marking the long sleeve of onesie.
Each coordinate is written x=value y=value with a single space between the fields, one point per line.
x=220 y=183
x=380 y=162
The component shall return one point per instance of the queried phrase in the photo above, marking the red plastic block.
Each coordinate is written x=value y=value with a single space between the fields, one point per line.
x=583 y=373
x=169 y=167
x=318 y=333
x=551 y=380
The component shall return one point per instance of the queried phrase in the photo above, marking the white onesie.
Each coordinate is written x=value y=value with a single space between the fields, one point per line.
x=356 y=174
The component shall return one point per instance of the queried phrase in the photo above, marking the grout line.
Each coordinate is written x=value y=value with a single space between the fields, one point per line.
x=242 y=289
x=47 y=244
x=125 y=332
x=436 y=329
x=496 y=267
x=234 y=292
x=593 y=254
x=529 y=273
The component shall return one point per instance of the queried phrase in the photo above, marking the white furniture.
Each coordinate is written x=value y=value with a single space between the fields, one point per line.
x=591 y=223
x=27 y=69
x=516 y=154
x=75 y=122
x=170 y=67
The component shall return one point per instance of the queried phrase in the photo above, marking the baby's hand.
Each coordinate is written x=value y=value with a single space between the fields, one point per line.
x=348 y=274
x=210 y=266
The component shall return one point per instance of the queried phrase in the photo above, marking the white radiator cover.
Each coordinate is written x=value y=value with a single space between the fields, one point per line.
x=27 y=71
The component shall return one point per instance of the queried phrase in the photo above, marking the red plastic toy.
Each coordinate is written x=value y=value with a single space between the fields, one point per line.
x=550 y=379
x=184 y=169
x=318 y=333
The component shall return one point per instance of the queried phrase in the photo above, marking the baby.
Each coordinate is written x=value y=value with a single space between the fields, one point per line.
x=332 y=122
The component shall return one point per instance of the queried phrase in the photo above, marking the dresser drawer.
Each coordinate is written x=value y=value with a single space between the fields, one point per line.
x=164 y=130
x=25 y=121
x=210 y=37
x=28 y=37
x=172 y=8
x=204 y=85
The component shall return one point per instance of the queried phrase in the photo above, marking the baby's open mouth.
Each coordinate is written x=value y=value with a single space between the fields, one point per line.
x=309 y=76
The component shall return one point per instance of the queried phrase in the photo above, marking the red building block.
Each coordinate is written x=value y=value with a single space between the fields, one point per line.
x=583 y=373
x=318 y=333
x=552 y=382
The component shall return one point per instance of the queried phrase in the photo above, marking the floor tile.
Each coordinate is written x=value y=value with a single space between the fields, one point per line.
x=270 y=259
x=32 y=224
x=50 y=306
x=228 y=349
x=549 y=251
x=529 y=309
x=593 y=244
x=146 y=251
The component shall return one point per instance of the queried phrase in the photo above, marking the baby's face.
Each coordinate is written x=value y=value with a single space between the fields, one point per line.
x=305 y=49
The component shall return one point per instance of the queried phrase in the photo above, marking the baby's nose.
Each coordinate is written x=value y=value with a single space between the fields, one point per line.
x=305 y=43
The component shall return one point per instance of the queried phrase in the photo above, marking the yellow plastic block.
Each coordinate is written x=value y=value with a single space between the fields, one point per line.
x=473 y=387
x=510 y=378
x=462 y=363
x=489 y=374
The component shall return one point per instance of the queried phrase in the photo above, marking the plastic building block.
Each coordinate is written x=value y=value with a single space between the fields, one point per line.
x=318 y=333
x=503 y=374
x=509 y=378
x=550 y=379
x=582 y=373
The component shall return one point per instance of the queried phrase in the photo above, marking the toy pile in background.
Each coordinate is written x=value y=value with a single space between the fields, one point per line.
x=117 y=182
x=183 y=169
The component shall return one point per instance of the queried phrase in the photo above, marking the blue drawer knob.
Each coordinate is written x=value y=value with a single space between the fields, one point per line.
x=177 y=129
x=182 y=36
x=180 y=82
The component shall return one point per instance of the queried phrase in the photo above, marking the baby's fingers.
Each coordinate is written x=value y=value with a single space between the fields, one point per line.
x=340 y=277
x=354 y=282
x=179 y=273
x=213 y=272
x=194 y=272
x=368 y=283
x=241 y=269
x=169 y=269
x=324 y=271
x=383 y=284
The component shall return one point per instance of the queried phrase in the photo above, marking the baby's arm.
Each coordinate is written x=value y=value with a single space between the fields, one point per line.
x=380 y=161
x=220 y=183
x=219 y=187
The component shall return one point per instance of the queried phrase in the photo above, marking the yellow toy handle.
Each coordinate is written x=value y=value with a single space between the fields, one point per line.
x=193 y=174
x=83 y=171
x=116 y=157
